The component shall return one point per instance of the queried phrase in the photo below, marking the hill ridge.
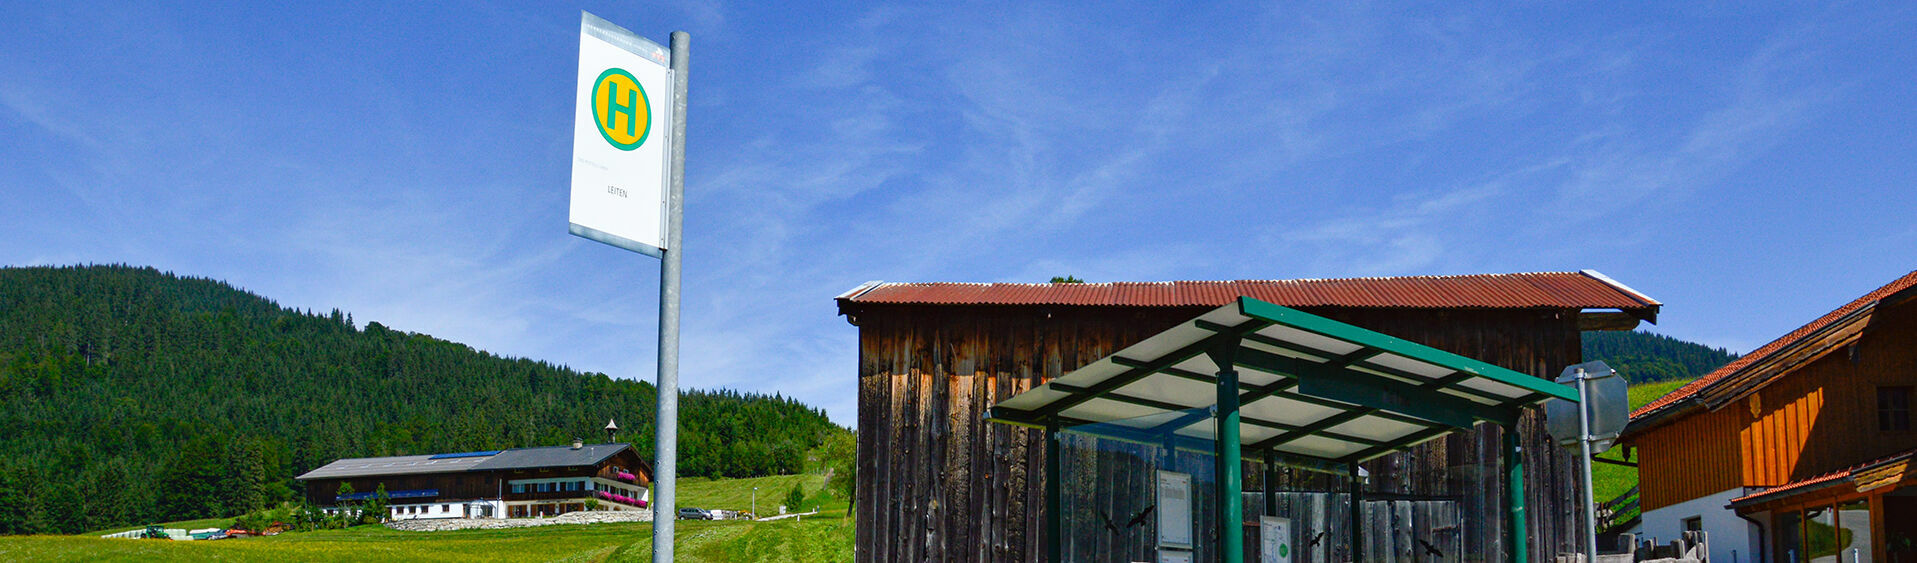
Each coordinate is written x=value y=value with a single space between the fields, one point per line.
x=1645 y=357
x=138 y=395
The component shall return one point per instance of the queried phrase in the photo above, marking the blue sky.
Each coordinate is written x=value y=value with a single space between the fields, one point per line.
x=1750 y=168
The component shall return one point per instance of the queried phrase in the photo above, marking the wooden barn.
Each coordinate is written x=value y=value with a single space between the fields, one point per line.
x=938 y=483
x=1801 y=450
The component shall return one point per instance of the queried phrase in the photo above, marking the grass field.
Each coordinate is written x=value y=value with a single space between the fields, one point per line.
x=183 y=524
x=826 y=537
x=1607 y=480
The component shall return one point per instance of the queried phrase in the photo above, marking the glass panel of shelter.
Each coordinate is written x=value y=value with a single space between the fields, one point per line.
x=1109 y=502
x=1854 y=517
x=1825 y=534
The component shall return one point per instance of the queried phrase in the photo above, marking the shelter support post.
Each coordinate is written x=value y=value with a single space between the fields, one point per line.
x=1054 y=512
x=1516 y=544
x=1170 y=462
x=1230 y=483
x=1270 y=485
x=1357 y=513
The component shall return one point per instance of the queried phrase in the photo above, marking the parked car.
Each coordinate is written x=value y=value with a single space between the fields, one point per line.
x=689 y=513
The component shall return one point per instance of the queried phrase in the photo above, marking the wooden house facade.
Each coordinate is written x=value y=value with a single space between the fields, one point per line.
x=1797 y=451
x=516 y=483
x=938 y=483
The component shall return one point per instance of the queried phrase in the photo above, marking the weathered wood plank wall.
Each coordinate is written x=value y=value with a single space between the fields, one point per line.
x=937 y=483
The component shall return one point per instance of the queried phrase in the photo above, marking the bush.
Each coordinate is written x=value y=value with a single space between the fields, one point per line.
x=795 y=498
x=378 y=509
x=259 y=520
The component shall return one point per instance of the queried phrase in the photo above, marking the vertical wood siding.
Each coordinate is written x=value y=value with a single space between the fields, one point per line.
x=937 y=483
x=1814 y=420
x=1684 y=461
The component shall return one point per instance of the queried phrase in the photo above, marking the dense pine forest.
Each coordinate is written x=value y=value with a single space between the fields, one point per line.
x=128 y=395
x=1644 y=357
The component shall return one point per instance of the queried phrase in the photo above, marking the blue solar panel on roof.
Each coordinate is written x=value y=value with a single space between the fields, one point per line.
x=466 y=454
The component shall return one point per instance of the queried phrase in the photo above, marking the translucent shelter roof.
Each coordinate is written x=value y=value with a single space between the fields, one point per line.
x=1309 y=389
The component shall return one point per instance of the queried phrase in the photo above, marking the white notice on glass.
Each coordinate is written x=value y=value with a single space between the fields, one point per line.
x=1274 y=540
x=1174 y=509
x=1173 y=556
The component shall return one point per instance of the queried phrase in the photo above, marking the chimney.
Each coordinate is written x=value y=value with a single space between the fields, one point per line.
x=578 y=443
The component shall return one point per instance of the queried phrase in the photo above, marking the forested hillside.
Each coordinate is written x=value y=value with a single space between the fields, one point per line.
x=129 y=395
x=1644 y=357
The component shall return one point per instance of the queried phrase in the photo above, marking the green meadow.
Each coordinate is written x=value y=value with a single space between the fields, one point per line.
x=1607 y=480
x=825 y=537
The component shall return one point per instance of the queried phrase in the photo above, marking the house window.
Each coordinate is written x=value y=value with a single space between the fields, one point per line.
x=1893 y=408
x=1694 y=524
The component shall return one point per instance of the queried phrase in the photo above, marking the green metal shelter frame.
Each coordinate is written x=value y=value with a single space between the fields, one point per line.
x=1288 y=387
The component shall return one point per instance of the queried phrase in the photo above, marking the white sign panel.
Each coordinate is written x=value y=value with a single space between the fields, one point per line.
x=1274 y=540
x=621 y=128
x=1173 y=556
x=1174 y=509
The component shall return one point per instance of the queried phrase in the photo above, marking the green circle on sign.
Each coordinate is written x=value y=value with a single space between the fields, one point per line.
x=1284 y=550
x=608 y=106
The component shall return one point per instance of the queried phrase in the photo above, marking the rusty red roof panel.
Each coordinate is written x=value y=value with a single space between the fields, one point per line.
x=1766 y=350
x=1571 y=290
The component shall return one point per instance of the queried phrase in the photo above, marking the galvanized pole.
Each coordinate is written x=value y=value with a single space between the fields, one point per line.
x=1584 y=449
x=666 y=450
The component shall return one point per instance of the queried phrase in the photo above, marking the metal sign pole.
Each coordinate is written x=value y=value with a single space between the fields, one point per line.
x=1584 y=448
x=666 y=449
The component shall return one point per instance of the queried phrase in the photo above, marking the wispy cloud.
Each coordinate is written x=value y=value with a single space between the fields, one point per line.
x=1584 y=181
x=834 y=145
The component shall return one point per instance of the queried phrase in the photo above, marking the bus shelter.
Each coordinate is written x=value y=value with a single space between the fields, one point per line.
x=1253 y=380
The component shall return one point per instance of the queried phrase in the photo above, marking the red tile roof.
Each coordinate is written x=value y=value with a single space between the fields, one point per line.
x=1570 y=290
x=1805 y=485
x=1766 y=350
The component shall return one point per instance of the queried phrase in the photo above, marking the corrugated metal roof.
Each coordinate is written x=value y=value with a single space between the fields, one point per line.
x=1765 y=351
x=522 y=458
x=1572 y=290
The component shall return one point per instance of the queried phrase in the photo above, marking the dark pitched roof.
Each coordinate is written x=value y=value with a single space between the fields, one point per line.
x=394 y=465
x=1767 y=356
x=522 y=458
x=554 y=456
x=1568 y=290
